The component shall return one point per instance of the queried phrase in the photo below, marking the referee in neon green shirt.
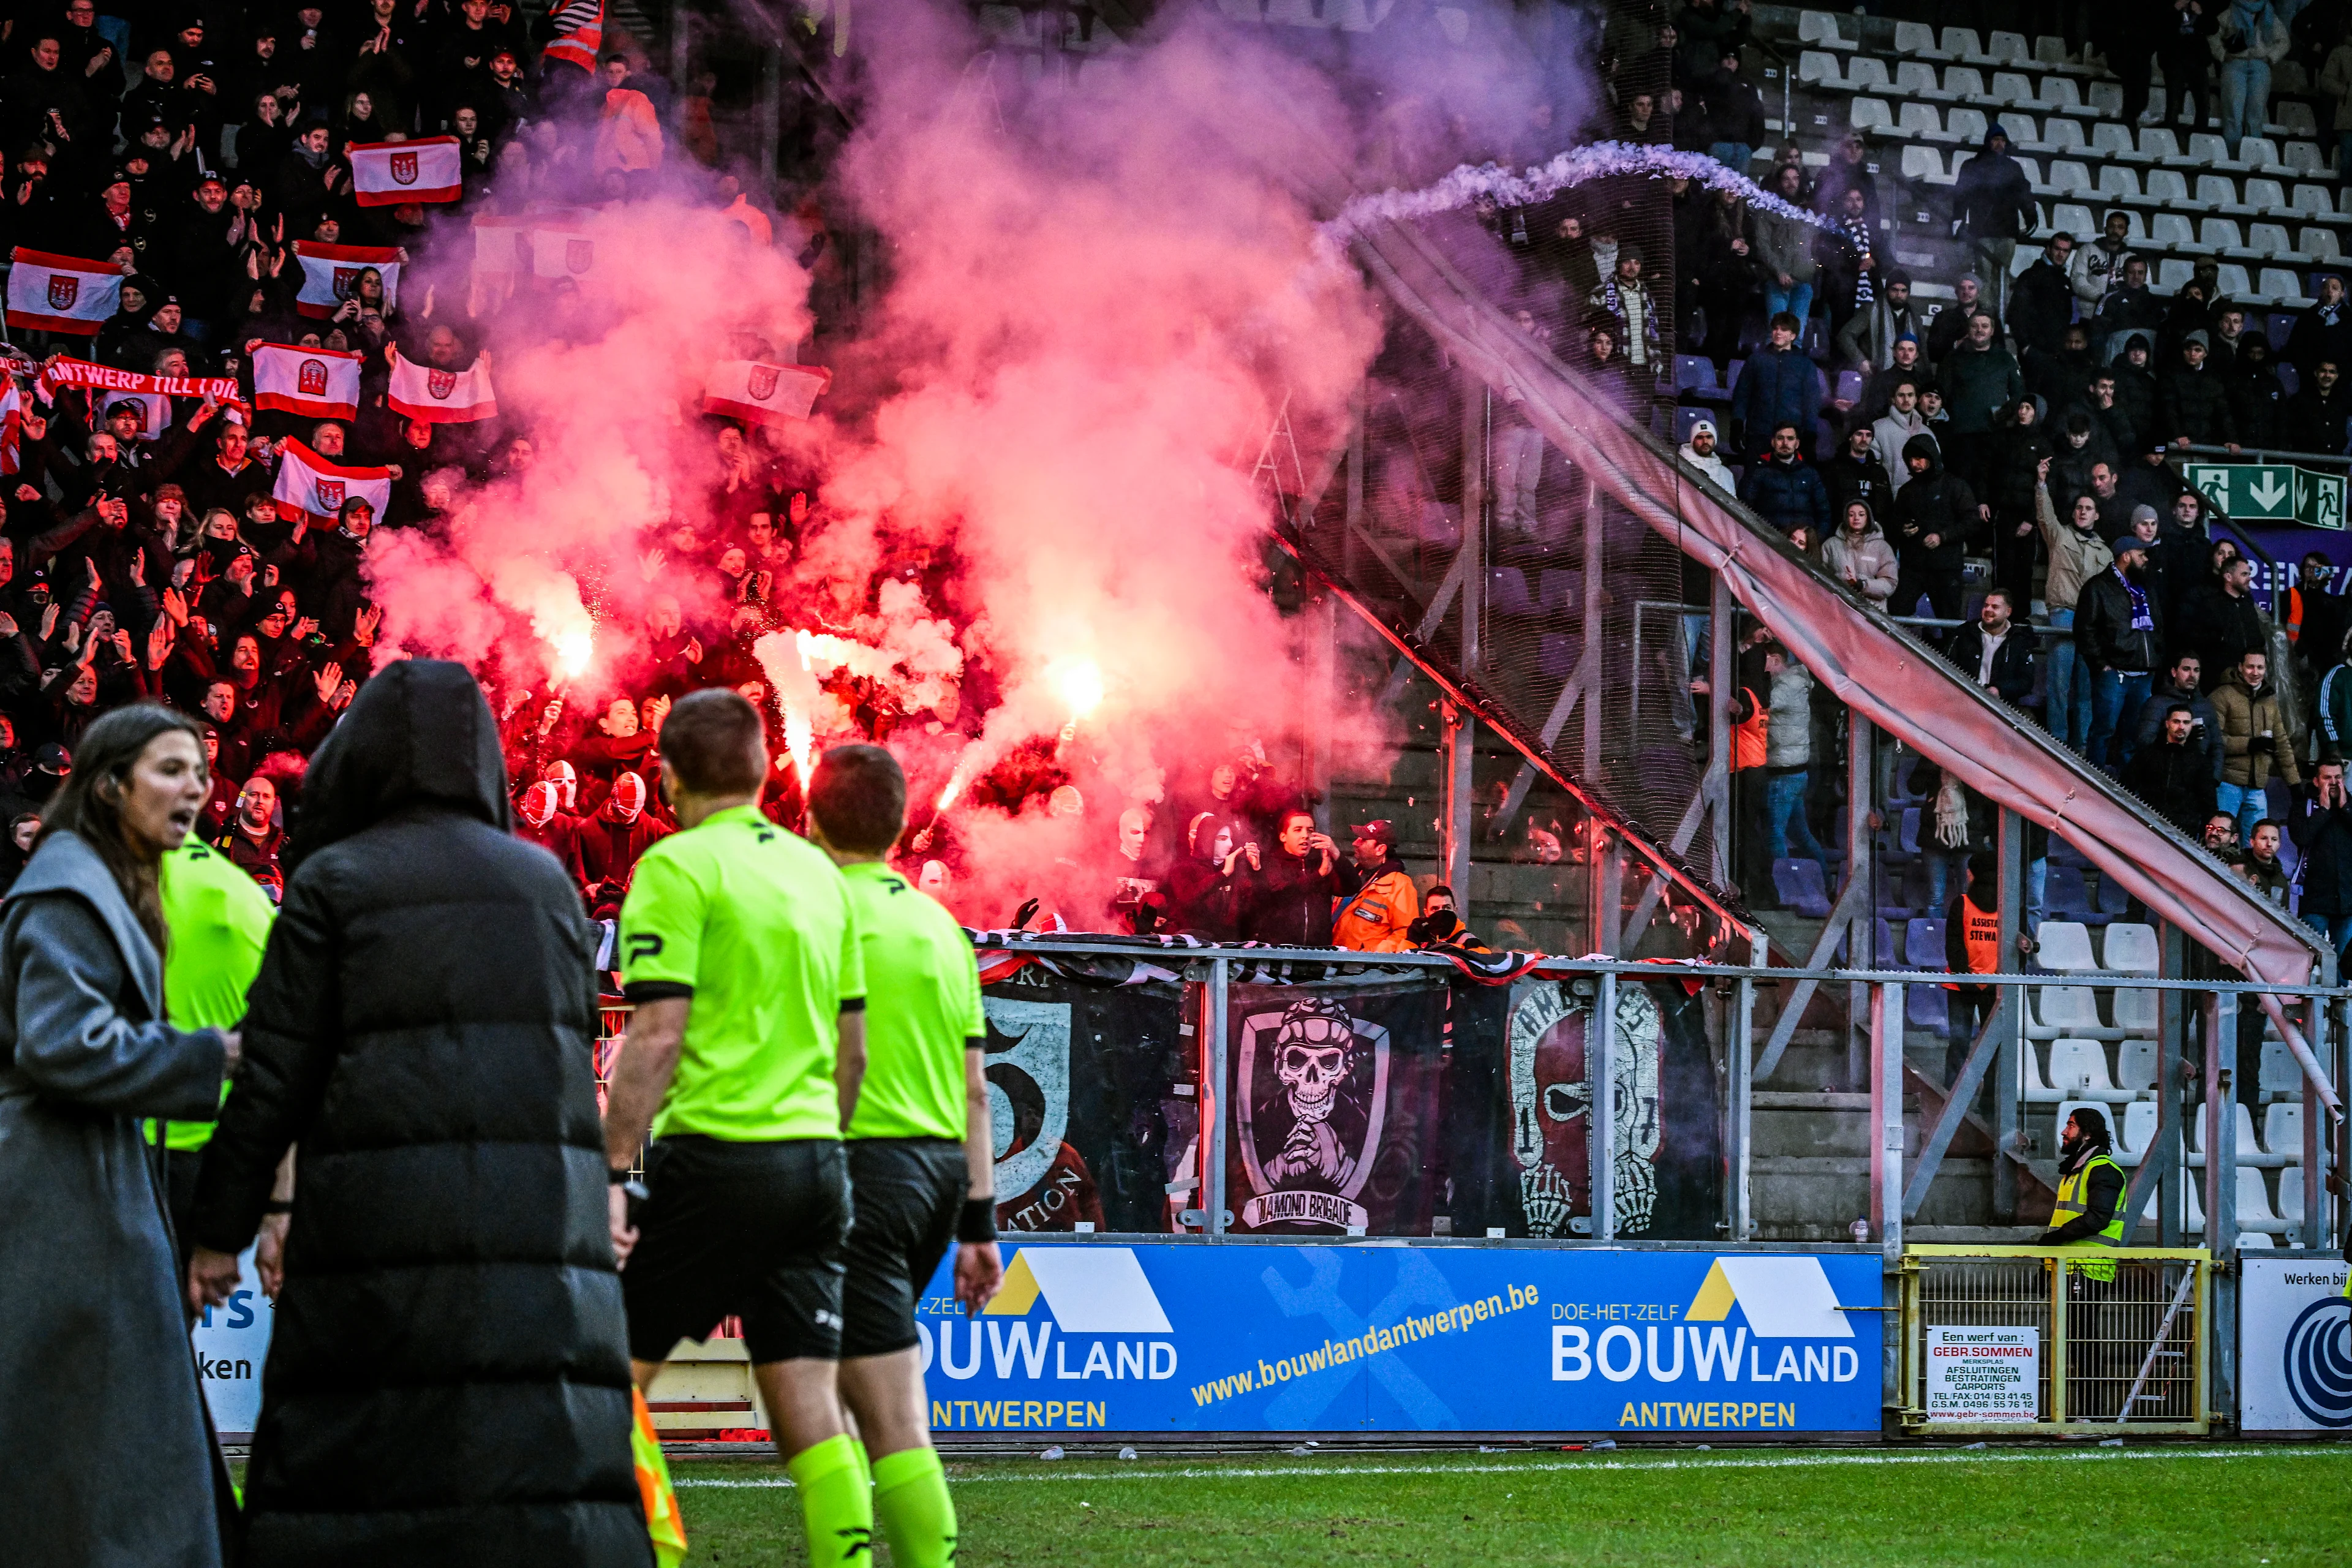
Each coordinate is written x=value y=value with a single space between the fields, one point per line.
x=921 y=1161
x=740 y=951
x=218 y=922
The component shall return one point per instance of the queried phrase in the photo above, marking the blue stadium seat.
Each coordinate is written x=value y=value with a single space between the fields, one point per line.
x=1924 y=1007
x=1693 y=373
x=1506 y=592
x=2066 y=895
x=2115 y=902
x=1849 y=387
x=1923 y=943
x=1557 y=653
x=1911 y=831
x=1799 y=886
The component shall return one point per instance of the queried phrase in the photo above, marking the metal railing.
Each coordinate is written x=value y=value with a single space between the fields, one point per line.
x=2125 y=1352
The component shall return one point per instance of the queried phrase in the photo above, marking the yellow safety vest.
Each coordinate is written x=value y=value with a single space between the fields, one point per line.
x=2073 y=1201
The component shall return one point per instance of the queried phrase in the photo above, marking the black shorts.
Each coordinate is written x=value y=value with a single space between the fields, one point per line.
x=909 y=1191
x=746 y=1230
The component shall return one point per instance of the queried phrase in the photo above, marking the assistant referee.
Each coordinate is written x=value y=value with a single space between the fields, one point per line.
x=739 y=952
x=921 y=1157
x=218 y=918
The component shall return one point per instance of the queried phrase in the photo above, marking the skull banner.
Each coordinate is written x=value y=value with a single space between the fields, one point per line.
x=1335 y=1107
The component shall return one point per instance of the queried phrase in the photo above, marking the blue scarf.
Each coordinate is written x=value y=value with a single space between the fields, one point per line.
x=2141 y=620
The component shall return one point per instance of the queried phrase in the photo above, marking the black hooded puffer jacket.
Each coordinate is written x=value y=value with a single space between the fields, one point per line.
x=448 y=1379
x=1938 y=502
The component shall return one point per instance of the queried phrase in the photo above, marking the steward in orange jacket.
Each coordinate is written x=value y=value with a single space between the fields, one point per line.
x=1380 y=916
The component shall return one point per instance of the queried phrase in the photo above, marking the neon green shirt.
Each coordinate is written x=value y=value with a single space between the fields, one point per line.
x=756 y=925
x=922 y=1005
x=218 y=919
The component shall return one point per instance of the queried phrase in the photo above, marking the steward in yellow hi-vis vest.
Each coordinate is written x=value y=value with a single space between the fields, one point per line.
x=2089 y=1211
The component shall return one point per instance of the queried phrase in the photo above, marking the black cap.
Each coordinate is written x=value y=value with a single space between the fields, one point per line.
x=53 y=759
x=1382 y=829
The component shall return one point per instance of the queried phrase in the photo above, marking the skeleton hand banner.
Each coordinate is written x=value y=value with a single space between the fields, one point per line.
x=1335 y=1106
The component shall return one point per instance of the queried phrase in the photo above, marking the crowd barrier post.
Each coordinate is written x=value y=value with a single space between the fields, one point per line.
x=2221 y=1187
x=1600 y=1077
x=1887 y=1143
x=1213 y=1111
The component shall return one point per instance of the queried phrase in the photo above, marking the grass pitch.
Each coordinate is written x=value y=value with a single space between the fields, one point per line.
x=2033 y=1507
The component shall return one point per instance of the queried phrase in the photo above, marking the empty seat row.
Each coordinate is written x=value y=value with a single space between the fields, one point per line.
x=2292 y=239
x=2072 y=1011
x=2259 y=1219
x=2134 y=1128
x=1956 y=44
x=2064 y=948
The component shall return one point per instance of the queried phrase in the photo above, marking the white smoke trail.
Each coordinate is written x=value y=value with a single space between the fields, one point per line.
x=1467 y=183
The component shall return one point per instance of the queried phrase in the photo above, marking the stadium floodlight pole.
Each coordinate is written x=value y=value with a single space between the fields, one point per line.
x=1600 y=1078
x=1212 y=1182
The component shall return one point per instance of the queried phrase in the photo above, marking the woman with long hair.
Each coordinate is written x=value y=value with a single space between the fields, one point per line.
x=103 y=1433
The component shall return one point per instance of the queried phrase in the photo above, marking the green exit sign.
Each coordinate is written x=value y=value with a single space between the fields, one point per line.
x=2270 y=493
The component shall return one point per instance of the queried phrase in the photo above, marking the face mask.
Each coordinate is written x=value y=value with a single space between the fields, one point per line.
x=628 y=799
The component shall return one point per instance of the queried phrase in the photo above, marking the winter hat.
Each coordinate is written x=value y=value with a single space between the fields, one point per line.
x=2140 y=514
x=2197 y=337
x=1703 y=425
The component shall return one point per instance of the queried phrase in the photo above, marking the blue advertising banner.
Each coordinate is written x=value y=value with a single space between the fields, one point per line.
x=1323 y=1338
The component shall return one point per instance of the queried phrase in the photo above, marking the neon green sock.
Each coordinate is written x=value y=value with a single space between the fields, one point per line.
x=919 y=1518
x=836 y=1505
x=864 y=1465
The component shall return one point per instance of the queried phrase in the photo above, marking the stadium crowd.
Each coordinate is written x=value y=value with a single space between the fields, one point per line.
x=1997 y=462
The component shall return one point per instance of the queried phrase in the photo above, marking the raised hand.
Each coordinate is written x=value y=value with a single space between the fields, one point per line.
x=329 y=676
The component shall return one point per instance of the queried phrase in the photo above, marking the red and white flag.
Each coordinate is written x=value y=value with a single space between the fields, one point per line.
x=440 y=396
x=764 y=393
x=330 y=271
x=579 y=33
x=62 y=293
x=12 y=421
x=558 y=250
x=502 y=244
x=319 y=383
x=386 y=173
x=313 y=488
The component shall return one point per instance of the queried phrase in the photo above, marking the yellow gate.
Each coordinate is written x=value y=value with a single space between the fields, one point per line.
x=2020 y=1339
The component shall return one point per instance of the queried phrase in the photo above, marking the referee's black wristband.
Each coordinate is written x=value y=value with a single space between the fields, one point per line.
x=616 y=1177
x=978 y=1221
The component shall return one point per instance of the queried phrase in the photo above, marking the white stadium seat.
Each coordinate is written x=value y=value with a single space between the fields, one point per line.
x=2078 y=1069
x=2137 y=1012
x=1871 y=114
x=1867 y=73
x=2133 y=949
x=1815 y=66
x=2136 y=1066
x=2065 y=947
x=1918 y=80
x=1916 y=38
x=2174 y=232
x=2290 y=1195
x=2283 y=1130
x=2136 y=1133
x=2007 y=47
x=2269 y=239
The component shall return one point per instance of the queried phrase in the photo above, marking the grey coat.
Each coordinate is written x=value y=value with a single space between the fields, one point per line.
x=102 y=1433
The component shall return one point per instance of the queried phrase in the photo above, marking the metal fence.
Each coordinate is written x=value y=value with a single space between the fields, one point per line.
x=2128 y=1352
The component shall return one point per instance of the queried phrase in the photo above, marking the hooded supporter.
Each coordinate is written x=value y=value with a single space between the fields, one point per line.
x=612 y=841
x=1204 y=887
x=422 y=1032
x=542 y=821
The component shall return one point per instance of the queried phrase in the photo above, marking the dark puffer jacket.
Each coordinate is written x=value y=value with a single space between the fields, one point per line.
x=1788 y=495
x=1937 y=502
x=448 y=1381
